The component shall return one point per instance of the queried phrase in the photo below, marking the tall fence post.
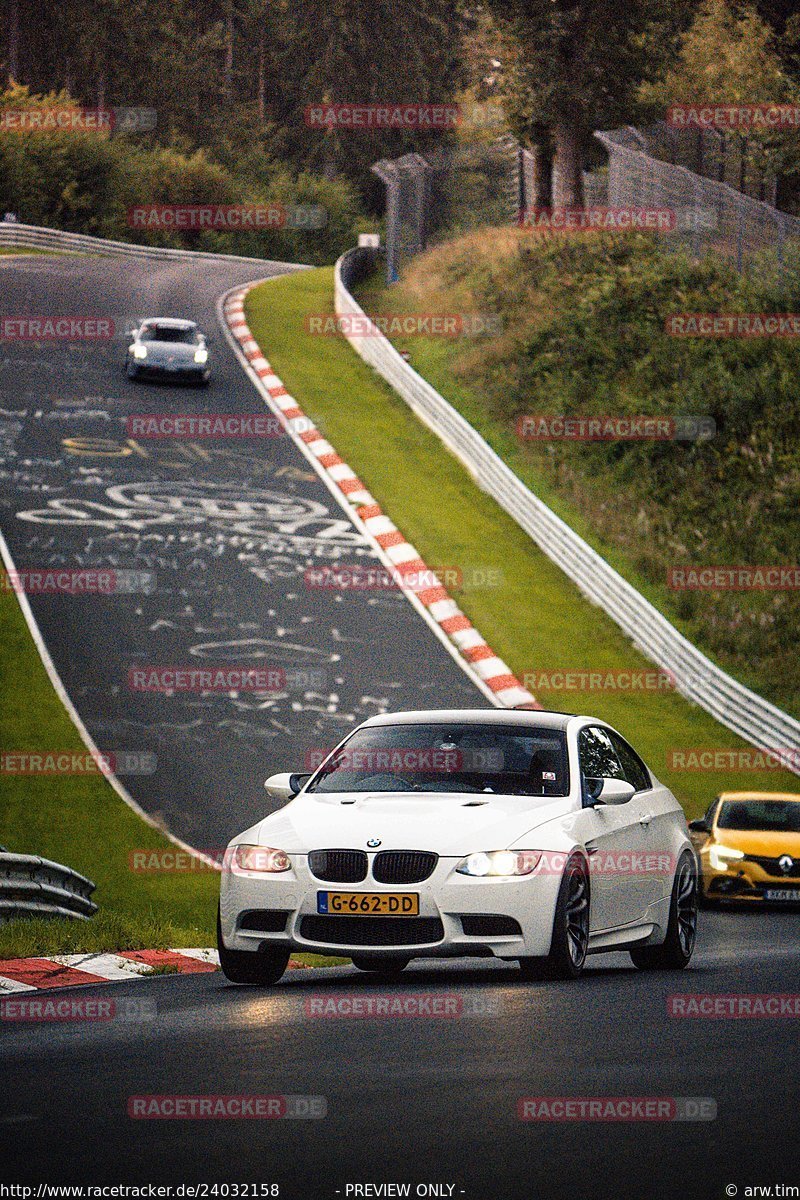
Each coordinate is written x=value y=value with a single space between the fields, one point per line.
x=407 y=182
x=385 y=170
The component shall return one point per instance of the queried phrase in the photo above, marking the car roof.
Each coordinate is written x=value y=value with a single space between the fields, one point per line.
x=476 y=716
x=760 y=796
x=170 y=322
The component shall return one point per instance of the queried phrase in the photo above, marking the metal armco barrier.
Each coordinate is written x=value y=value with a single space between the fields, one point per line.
x=696 y=676
x=36 y=887
x=37 y=237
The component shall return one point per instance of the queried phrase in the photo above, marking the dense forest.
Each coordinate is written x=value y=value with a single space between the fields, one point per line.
x=229 y=82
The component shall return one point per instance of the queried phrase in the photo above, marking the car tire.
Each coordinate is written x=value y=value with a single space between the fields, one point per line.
x=131 y=370
x=258 y=967
x=676 y=950
x=570 y=939
x=380 y=966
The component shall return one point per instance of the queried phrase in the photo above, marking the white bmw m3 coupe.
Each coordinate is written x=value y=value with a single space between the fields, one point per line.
x=532 y=836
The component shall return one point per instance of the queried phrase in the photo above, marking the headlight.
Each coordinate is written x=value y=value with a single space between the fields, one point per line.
x=499 y=862
x=257 y=860
x=201 y=355
x=139 y=351
x=721 y=857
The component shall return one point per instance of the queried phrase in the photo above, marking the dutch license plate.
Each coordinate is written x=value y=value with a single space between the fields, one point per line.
x=368 y=904
x=782 y=894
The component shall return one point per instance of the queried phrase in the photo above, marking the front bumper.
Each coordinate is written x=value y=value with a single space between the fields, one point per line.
x=458 y=915
x=747 y=882
x=179 y=372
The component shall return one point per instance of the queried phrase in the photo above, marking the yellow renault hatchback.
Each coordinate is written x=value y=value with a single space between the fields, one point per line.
x=749 y=848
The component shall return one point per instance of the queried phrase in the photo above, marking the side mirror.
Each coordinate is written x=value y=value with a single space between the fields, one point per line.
x=699 y=826
x=285 y=786
x=609 y=791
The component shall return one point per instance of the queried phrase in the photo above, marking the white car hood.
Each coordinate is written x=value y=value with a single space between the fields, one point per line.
x=451 y=825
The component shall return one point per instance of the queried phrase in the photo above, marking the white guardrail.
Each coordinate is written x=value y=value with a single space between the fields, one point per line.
x=12 y=233
x=37 y=887
x=696 y=677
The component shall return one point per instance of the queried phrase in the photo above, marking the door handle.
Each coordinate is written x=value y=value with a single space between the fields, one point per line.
x=590 y=850
x=645 y=819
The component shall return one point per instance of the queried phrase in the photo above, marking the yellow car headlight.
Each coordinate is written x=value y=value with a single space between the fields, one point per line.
x=722 y=857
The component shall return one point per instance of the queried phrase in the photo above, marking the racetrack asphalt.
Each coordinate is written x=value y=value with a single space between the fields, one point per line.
x=226 y=530
x=424 y=1099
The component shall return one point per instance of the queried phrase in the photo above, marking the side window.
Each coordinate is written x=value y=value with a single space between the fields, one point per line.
x=634 y=769
x=597 y=756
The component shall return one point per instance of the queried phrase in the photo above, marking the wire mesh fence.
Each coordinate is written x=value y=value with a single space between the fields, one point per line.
x=728 y=157
x=713 y=217
x=491 y=183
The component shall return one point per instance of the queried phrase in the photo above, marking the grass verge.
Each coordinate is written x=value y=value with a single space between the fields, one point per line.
x=583 y=332
x=18 y=251
x=535 y=618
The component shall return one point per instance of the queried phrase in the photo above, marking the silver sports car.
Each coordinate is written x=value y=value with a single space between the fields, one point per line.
x=168 y=348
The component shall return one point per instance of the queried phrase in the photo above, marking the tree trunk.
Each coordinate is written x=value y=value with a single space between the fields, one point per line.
x=262 y=106
x=542 y=190
x=13 y=40
x=568 y=165
x=229 y=50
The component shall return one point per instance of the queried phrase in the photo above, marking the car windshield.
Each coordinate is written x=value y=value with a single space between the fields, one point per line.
x=760 y=815
x=168 y=333
x=513 y=760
